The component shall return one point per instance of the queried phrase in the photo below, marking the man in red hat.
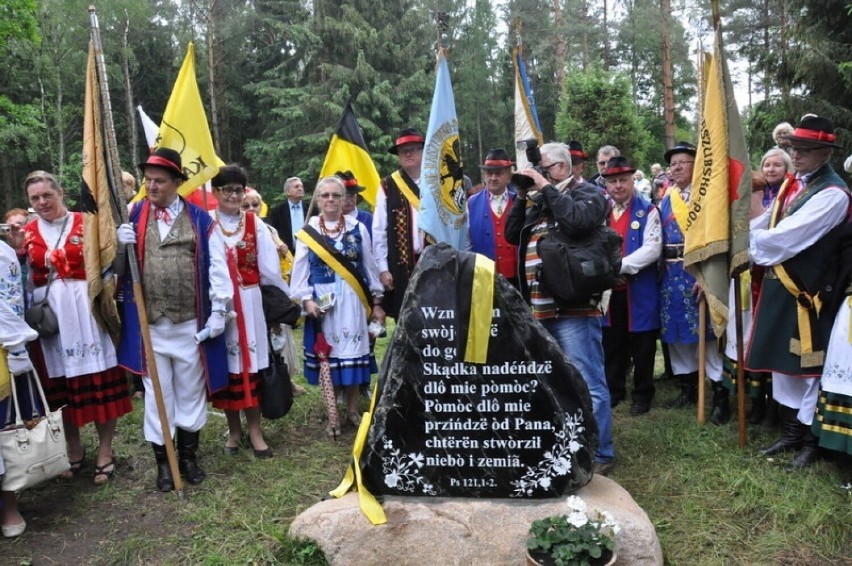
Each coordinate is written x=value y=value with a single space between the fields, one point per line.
x=488 y=211
x=633 y=319
x=795 y=239
x=578 y=161
x=187 y=289
x=397 y=241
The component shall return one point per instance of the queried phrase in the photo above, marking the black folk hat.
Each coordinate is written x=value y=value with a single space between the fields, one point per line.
x=350 y=182
x=680 y=147
x=407 y=135
x=618 y=165
x=496 y=159
x=165 y=158
x=814 y=130
x=575 y=148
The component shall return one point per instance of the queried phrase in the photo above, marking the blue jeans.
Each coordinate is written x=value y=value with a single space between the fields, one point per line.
x=580 y=339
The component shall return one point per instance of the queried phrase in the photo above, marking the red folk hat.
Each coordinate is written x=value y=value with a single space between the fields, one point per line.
x=814 y=130
x=165 y=158
x=616 y=166
x=350 y=182
x=497 y=159
x=407 y=135
x=575 y=148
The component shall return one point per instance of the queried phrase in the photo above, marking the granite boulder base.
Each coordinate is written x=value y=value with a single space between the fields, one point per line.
x=518 y=425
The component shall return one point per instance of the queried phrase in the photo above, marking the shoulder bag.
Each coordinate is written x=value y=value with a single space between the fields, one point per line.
x=40 y=316
x=35 y=451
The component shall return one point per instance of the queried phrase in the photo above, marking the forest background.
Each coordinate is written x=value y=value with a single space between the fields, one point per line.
x=274 y=74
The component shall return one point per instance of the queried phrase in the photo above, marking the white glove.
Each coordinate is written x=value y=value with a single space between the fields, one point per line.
x=216 y=324
x=19 y=360
x=126 y=234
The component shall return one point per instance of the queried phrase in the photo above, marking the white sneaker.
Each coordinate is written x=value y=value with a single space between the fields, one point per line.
x=12 y=531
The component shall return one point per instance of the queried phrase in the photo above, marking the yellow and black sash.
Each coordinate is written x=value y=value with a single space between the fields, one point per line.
x=339 y=263
x=406 y=190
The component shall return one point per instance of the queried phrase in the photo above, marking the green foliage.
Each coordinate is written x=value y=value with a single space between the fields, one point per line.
x=602 y=98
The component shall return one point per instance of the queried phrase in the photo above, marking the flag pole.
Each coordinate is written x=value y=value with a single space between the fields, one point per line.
x=702 y=356
x=120 y=203
x=741 y=389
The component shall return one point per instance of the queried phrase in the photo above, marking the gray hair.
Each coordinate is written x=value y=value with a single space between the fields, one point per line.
x=778 y=152
x=556 y=151
x=289 y=182
x=609 y=150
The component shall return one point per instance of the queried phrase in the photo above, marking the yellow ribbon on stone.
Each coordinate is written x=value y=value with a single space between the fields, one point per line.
x=369 y=506
x=481 y=310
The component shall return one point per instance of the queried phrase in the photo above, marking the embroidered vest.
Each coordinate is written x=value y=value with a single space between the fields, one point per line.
x=247 y=254
x=169 y=274
x=72 y=249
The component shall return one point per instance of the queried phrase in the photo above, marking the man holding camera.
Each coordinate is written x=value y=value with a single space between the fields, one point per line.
x=540 y=207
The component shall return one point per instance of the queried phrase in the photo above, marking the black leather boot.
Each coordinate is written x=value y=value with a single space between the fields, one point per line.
x=771 y=419
x=187 y=444
x=792 y=432
x=808 y=454
x=165 y=481
x=721 y=412
x=688 y=392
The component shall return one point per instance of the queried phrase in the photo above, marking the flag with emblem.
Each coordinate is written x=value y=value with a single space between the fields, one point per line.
x=527 y=125
x=348 y=152
x=717 y=223
x=185 y=129
x=99 y=240
x=443 y=215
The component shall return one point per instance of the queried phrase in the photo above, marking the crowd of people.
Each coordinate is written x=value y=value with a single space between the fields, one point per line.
x=201 y=274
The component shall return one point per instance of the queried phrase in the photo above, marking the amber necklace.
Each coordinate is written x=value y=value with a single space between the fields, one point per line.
x=334 y=232
x=236 y=230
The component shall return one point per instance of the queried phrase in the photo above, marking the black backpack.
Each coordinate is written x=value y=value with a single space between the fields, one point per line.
x=576 y=269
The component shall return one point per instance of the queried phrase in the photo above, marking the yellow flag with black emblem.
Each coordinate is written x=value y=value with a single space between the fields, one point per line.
x=185 y=129
x=348 y=152
x=443 y=198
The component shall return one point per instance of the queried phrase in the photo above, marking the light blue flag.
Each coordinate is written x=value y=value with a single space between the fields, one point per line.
x=443 y=214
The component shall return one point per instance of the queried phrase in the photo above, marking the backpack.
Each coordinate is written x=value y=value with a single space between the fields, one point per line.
x=575 y=269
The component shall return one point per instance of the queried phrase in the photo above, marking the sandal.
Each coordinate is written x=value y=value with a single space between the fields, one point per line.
x=74 y=470
x=103 y=471
x=332 y=432
x=354 y=419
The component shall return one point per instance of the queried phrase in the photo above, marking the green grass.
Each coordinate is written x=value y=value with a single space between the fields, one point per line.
x=712 y=503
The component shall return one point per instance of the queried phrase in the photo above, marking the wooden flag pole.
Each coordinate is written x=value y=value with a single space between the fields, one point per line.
x=702 y=356
x=741 y=388
x=120 y=203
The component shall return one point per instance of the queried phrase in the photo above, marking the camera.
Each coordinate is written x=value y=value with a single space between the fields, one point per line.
x=530 y=146
x=5 y=229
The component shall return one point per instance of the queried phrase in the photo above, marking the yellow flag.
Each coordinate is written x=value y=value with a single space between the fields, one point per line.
x=99 y=241
x=716 y=231
x=184 y=128
x=348 y=152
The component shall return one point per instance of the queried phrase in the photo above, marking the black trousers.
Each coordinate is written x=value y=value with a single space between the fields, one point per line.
x=621 y=347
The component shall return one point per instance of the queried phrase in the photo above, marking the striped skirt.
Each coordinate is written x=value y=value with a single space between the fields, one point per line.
x=93 y=397
x=234 y=398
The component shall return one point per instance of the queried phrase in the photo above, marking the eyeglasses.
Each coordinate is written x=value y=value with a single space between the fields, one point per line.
x=547 y=167
x=803 y=150
x=231 y=189
x=248 y=205
x=409 y=150
x=679 y=164
x=602 y=162
x=330 y=195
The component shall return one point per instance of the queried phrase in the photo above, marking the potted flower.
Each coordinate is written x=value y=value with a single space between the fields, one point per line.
x=573 y=539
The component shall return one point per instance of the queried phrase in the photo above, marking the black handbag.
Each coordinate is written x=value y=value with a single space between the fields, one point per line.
x=278 y=308
x=276 y=390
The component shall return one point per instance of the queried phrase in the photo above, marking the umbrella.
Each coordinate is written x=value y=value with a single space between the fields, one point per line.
x=322 y=349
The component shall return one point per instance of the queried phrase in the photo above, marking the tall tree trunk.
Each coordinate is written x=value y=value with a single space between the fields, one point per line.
x=668 y=88
x=60 y=129
x=767 y=17
x=211 y=64
x=128 y=95
x=560 y=46
x=605 y=38
x=785 y=87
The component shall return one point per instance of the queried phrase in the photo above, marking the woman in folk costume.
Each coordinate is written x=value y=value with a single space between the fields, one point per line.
x=833 y=420
x=336 y=280
x=14 y=361
x=252 y=261
x=283 y=341
x=81 y=359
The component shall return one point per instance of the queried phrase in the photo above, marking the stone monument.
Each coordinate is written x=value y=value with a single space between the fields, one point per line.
x=516 y=424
